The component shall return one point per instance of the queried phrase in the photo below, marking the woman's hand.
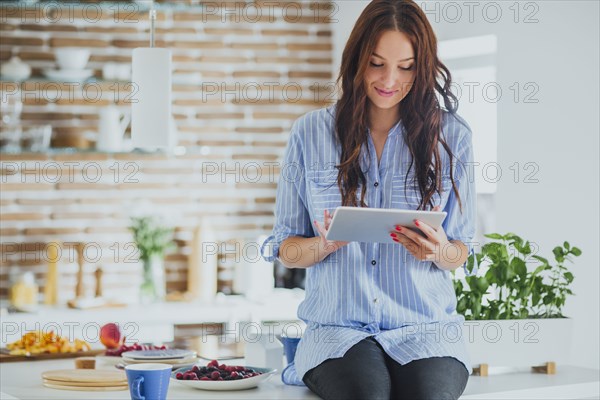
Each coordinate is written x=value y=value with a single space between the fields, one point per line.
x=328 y=246
x=433 y=247
x=303 y=252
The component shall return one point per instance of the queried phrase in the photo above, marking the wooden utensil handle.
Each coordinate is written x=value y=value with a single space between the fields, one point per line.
x=80 y=261
x=98 y=275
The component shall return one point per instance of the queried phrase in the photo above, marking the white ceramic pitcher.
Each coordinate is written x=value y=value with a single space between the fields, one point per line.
x=111 y=128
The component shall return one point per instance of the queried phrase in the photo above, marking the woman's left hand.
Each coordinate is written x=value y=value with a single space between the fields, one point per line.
x=428 y=248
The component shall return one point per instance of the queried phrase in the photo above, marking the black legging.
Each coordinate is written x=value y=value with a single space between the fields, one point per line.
x=367 y=372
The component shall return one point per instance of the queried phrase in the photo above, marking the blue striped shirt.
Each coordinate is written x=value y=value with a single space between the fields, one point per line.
x=373 y=289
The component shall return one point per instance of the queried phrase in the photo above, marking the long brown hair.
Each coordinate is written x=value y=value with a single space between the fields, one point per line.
x=420 y=111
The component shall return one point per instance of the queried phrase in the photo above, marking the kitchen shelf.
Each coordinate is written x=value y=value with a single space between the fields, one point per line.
x=177 y=151
x=112 y=5
x=73 y=150
x=43 y=79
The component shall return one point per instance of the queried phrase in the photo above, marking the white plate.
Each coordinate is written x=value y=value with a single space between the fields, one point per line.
x=172 y=361
x=239 y=384
x=167 y=354
x=68 y=74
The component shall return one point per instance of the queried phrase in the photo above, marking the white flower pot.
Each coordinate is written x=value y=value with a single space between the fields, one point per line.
x=518 y=342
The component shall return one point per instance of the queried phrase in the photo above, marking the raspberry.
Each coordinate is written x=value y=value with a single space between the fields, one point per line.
x=179 y=375
x=215 y=375
x=213 y=363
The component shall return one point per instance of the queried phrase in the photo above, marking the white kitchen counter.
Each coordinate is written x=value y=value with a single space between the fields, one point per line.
x=154 y=322
x=23 y=381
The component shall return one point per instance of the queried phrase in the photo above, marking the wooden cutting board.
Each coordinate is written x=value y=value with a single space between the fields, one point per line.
x=82 y=384
x=96 y=377
x=87 y=389
x=6 y=357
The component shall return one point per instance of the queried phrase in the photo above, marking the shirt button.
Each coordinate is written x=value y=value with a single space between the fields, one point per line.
x=376 y=184
x=375 y=300
x=373 y=262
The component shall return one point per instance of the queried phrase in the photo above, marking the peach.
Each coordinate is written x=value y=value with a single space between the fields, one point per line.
x=110 y=336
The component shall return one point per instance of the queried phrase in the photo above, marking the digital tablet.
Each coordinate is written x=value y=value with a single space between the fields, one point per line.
x=360 y=224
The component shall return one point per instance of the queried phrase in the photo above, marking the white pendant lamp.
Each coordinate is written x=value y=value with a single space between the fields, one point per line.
x=152 y=124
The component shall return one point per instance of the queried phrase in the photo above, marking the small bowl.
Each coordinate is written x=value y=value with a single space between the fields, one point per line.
x=71 y=57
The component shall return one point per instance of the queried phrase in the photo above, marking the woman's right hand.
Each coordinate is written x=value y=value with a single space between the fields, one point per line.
x=329 y=246
x=303 y=252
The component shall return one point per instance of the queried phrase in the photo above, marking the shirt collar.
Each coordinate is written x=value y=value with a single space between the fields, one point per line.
x=396 y=129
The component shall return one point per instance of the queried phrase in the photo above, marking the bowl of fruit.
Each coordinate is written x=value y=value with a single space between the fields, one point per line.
x=215 y=376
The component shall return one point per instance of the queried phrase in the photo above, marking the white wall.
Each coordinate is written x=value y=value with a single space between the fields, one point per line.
x=556 y=51
x=344 y=19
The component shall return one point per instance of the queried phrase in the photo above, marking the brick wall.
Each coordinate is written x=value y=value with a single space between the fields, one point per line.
x=263 y=64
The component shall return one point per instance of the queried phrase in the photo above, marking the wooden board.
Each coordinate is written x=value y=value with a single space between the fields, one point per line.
x=83 y=384
x=5 y=357
x=87 y=389
x=548 y=368
x=104 y=376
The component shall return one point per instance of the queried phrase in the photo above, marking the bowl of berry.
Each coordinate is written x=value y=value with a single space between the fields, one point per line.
x=215 y=376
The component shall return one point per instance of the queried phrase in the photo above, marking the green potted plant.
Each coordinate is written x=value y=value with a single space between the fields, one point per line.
x=513 y=305
x=152 y=240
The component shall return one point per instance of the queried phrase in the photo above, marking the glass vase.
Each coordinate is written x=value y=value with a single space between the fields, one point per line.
x=153 y=287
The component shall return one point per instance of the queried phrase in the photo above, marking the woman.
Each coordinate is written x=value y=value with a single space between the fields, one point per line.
x=380 y=317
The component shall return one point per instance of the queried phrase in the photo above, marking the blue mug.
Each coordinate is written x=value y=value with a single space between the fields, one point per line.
x=148 y=381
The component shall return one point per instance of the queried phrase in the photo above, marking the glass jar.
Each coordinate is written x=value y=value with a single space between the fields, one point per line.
x=24 y=292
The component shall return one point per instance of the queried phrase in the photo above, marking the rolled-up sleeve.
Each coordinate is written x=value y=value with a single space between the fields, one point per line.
x=461 y=225
x=291 y=214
